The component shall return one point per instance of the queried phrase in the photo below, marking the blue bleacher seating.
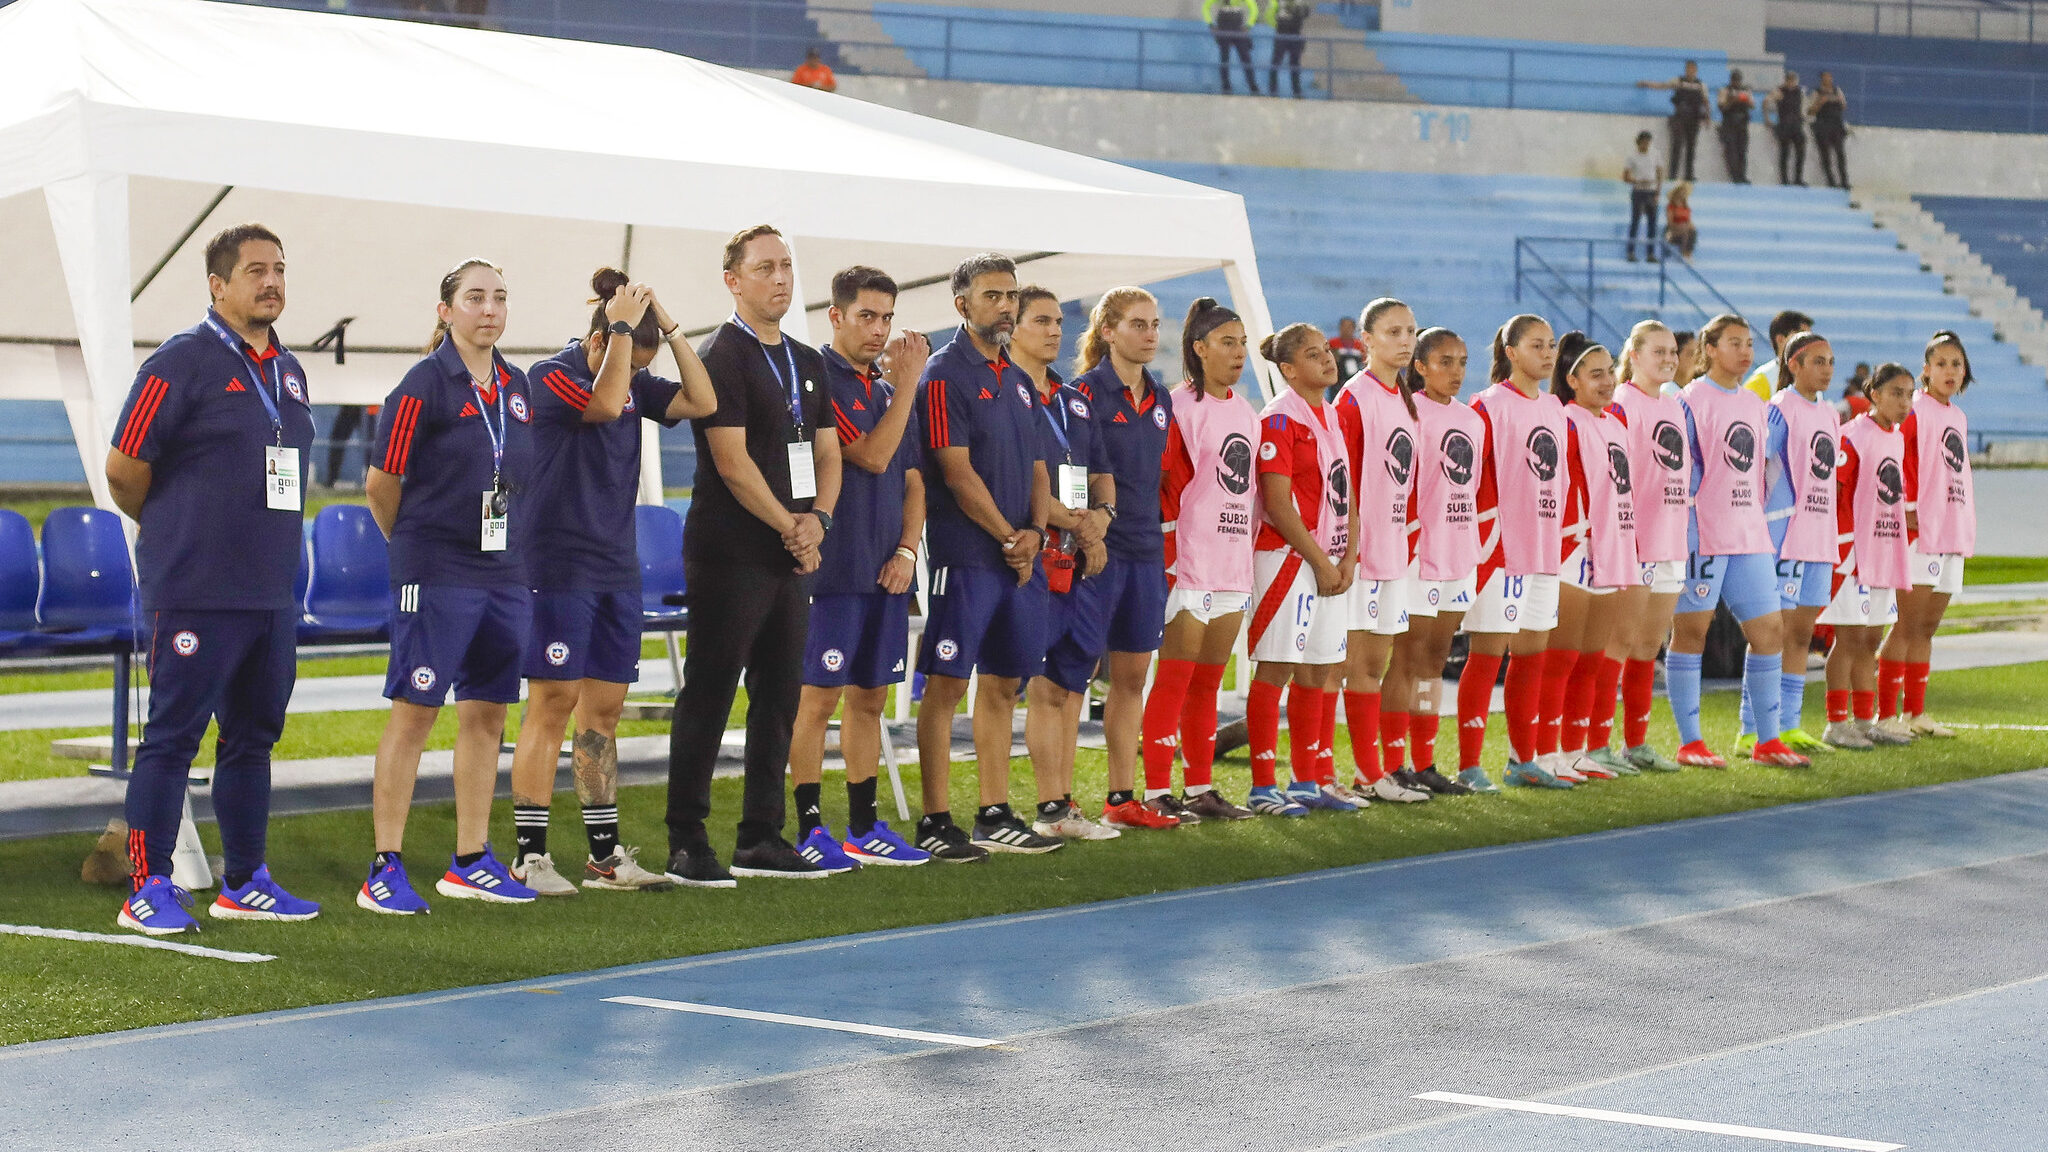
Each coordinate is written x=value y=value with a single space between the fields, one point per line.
x=1925 y=81
x=2010 y=235
x=349 y=592
x=658 y=533
x=88 y=593
x=20 y=581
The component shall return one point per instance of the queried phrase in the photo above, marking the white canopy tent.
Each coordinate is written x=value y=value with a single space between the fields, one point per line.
x=384 y=152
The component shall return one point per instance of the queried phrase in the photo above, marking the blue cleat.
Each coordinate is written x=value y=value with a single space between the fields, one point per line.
x=389 y=890
x=882 y=845
x=1477 y=780
x=158 y=909
x=1311 y=795
x=261 y=899
x=822 y=848
x=1530 y=774
x=486 y=880
x=1275 y=801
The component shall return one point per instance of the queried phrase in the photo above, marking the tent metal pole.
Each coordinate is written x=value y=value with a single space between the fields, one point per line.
x=626 y=252
x=164 y=261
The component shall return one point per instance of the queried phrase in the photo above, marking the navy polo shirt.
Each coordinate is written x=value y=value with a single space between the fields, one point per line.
x=1068 y=432
x=433 y=435
x=753 y=398
x=208 y=538
x=867 y=524
x=586 y=477
x=966 y=400
x=1135 y=435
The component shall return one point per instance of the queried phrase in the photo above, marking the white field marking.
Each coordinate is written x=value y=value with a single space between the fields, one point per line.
x=1997 y=727
x=805 y=1021
x=1779 y=1135
x=135 y=942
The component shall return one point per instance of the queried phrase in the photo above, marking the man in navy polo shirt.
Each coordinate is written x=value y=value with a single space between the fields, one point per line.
x=989 y=496
x=860 y=596
x=208 y=459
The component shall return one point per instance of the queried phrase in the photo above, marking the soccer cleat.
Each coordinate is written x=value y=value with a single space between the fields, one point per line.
x=774 y=859
x=1774 y=754
x=1587 y=767
x=1009 y=834
x=389 y=891
x=1170 y=805
x=947 y=843
x=1211 y=805
x=1698 y=755
x=1745 y=744
x=1606 y=758
x=1924 y=725
x=261 y=899
x=621 y=872
x=1312 y=795
x=1478 y=781
x=698 y=868
x=1394 y=792
x=1530 y=774
x=1650 y=760
x=1410 y=779
x=1798 y=740
x=537 y=871
x=157 y=909
x=822 y=848
x=1846 y=734
x=1890 y=733
x=1072 y=825
x=881 y=845
x=485 y=880
x=1559 y=765
x=1440 y=784
x=1358 y=796
x=1272 y=800
x=1131 y=814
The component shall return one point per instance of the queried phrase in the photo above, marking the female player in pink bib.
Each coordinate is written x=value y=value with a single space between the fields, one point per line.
x=1732 y=559
x=1443 y=535
x=1305 y=562
x=1209 y=510
x=1521 y=496
x=1941 y=516
x=1599 y=547
x=1870 y=501
x=1378 y=416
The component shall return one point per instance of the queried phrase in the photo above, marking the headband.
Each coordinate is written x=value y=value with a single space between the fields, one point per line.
x=1210 y=320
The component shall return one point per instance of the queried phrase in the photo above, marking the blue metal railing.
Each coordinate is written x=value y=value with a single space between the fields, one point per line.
x=1565 y=274
x=2012 y=21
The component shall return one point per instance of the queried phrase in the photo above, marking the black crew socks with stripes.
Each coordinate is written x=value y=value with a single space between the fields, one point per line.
x=993 y=814
x=808 y=813
x=860 y=805
x=601 y=825
x=530 y=825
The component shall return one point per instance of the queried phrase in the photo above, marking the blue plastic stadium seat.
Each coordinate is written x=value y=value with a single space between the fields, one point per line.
x=88 y=593
x=659 y=535
x=348 y=594
x=20 y=579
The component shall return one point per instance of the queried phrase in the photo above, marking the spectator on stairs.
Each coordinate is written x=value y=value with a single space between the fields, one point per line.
x=1645 y=177
x=815 y=73
x=1679 y=231
x=1230 y=21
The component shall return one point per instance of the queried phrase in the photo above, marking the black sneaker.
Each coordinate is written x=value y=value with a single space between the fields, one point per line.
x=1211 y=805
x=774 y=859
x=1170 y=805
x=698 y=869
x=1010 y=834
x=1439 y=783
x=1409 y=778
x=947 y=843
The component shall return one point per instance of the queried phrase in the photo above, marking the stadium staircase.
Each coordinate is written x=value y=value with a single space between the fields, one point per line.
x=1986 y=251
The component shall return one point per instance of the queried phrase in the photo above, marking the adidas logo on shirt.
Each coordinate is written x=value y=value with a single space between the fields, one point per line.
x=467 y=410
x=1119 y=419
x=987 y=395
x=236 y=386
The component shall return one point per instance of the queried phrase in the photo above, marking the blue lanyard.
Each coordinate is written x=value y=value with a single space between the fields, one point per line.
x=272 y=398
x=497 y=434
x=796 y=410
x=1058 y=408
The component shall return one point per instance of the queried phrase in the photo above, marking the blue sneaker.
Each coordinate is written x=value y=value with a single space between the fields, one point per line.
x=486 y=880
x=822 y=848
x=883 y=846
x=158 y=909
x=1477 y=780
x=1274 y=801
x=389 y=890
x=261 y=899
x=1529 y=774
x=1309 y=794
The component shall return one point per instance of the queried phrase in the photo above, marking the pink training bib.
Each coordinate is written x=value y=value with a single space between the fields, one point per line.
x=1528 y=476
x=1447 y=471
x=1608 y=501
x=1728 y=427
x=1333 y=527
x=1812 y=437
x=1380 y=438
x=1660 y=464
x=1218 y=508
x=1947 y=498
x=1878 y=505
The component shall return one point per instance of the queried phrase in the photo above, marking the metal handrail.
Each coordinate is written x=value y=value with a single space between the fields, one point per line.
x=1680 y=284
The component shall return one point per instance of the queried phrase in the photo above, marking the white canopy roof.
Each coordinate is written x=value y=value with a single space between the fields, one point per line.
x=385 y=151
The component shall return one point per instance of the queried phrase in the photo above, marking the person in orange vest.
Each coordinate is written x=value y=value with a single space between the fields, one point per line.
x=815 y=73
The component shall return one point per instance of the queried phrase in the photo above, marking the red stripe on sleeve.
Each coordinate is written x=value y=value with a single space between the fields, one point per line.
x=935 y=411
x=400 y=448
x=142 y=414
x=847 y=432
x=571 y=393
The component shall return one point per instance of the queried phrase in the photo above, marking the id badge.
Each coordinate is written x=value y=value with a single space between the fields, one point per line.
x=281 y=480
x=1073 y=487
x=494 y=534
x=803 y=474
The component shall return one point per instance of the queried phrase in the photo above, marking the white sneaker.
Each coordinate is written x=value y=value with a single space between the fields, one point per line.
x=1846 y=734
x=1889 y=732
x=1587 y=767
x=537 y=871
x=1074 y=826
x=1354 y=794
x=1560 y=766
x=1924 y=725
x=622 y=873
x=1394 y=792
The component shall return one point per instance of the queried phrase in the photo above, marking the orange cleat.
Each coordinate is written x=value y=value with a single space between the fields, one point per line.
x=1131 y=814
x=1778 y=754
x=1698 y=755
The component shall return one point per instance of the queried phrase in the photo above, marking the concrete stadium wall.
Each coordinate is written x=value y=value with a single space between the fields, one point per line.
x=1736 y=26
x=1365 y=136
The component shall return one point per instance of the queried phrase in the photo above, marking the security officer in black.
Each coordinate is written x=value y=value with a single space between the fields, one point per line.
x=1288 y=17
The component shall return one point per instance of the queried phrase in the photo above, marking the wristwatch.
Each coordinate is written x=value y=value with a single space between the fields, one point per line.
x=1107 y=509
x=621 y=328
x=824 y=519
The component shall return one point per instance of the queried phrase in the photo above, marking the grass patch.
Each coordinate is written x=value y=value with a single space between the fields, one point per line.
x=53 y=988
x=2005 y=569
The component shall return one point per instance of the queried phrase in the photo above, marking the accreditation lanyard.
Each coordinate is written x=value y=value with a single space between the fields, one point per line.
x=789 y=383
x=271 y=391
x=1056 y=416
x=497 y=432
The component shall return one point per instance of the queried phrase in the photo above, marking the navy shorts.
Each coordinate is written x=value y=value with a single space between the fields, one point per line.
x=1746 y=582
x=469 y=638
x=1137 y=611
x=1077 y=627
x=981 y=619
x=585 y=636
x=858 y=638
x=1805 y=584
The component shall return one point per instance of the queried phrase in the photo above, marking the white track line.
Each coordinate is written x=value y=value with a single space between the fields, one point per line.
x=1998 y=727
x=135 y=942
x=1783 y=1137
x=805 y=1022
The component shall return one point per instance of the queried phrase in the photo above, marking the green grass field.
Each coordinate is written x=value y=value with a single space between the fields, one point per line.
x=54 y=988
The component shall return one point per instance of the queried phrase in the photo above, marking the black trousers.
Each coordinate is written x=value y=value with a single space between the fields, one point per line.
x=749 y=617
x=1286 y=50
x=1735 y=151
x=1829 y=147
x=1642 y=206
x=1792 y=147
x=1685 y=140
x=1240 y=43
x=346 y=422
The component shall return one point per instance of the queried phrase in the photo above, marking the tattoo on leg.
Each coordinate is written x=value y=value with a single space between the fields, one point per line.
x=525 y=801
x=597 y=769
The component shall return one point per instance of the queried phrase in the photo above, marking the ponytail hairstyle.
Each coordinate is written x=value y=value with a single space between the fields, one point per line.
x=1572 y=349
x=606 y=282
x=1031 y=294
x=1370 y=317
x=1624 y=370
x=1947 y=336
x=449 y=283
x=1283 y=346
x=1410 y=379
x=1205 y=315
x=1799 y=342
x=1109 y=312
x=1509 y=333
x=1710 y=335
